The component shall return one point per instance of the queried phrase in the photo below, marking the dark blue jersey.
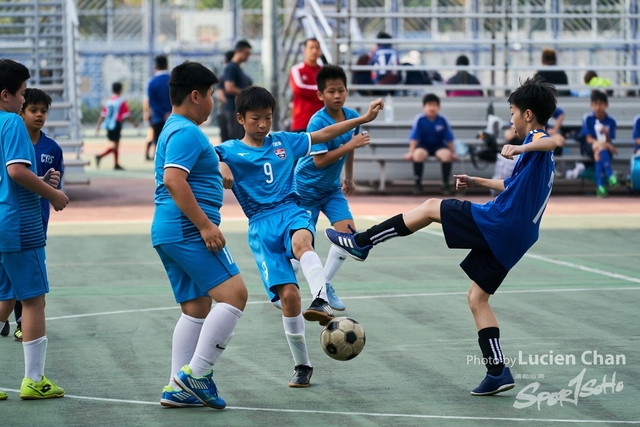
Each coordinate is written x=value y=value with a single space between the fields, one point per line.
x=511 y=222
x=48 y=155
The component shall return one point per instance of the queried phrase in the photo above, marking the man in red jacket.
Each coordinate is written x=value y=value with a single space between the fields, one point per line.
x=302 y=79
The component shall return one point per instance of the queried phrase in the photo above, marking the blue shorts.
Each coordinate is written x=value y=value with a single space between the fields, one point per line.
x=462 y=232
x=334 y=206
x=269 y=237
x=23 y=274
x=193 y=270
x=432 y=148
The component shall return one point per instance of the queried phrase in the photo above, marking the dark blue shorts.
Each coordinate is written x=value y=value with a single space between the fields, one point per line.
x=114 y=134
x=461 y=232
x=432 y=148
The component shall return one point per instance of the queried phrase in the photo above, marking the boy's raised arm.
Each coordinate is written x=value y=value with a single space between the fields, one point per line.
x=333 y=131
x=541 y=144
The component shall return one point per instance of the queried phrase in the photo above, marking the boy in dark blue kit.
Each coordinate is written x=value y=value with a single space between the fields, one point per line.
x=599 y=130
x=498 y=233
x=431 y=135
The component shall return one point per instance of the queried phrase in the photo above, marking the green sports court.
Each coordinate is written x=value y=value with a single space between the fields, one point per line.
x=568 y=314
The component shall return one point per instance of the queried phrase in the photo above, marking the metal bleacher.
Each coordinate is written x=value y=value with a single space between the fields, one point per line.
x=468 y=116
x=42 y=35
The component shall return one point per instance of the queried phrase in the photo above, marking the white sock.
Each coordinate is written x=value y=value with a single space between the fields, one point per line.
x=34 y=357
x=314 y=273
x=185 y=339
x=296 y=266
x=335 y=258
x=294 y=331
x=216 y=333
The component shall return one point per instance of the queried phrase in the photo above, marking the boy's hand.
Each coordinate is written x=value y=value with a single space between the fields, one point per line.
x=348 y=186
x=360 y=140
x=508 y=151
x=59 y=200
x=408 y=156
x=374 y=109
x=227 y=176
x=52 y=177
x=212 y=237
x=612 y=148
x=464 y=181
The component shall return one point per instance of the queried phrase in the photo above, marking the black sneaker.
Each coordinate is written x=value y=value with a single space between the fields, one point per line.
x=301 y=376
x=417 y=189
x=5 y=330
x=319 y=311
x=98 y=158
x=17 y=335
x=118 y=168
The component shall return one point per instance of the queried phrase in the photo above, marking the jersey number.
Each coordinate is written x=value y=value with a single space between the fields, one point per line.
x=268 y=170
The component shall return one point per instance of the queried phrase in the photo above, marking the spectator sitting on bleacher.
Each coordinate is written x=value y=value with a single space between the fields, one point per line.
x=555 y=77
x=383 y=56
x=463 y=77
x=636 y=135
x=362 y=77
x=599 y=131
x=431 y=135
x=592 y=80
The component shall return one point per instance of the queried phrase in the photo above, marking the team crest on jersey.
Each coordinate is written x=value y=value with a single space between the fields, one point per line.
x=281 y=153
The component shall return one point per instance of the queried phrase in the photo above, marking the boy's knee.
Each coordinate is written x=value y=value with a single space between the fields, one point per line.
x=476 y=297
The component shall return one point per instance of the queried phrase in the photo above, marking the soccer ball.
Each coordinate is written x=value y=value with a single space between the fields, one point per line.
x=343 y=338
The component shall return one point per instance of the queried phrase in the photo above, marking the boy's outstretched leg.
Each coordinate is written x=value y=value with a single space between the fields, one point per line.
x=319 y=310
x=498 y=378
x=357 y=245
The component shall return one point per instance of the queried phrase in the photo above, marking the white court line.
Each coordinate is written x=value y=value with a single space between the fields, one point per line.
x=562 y=263
x=363 y=414
x=424 y=294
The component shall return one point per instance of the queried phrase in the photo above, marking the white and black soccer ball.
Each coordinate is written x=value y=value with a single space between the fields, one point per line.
x=343 y=338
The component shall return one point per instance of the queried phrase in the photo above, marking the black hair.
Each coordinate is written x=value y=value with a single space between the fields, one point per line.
x=536 y=95
x=330 y=72
x=116 y=87
x=36 y=96
x=228 y=55
x=12 y=75
x=383 y=35
x=598 y=96
x=311 y=39
x=242 y=45
x=430 y=97
x=254 y=98
x=187 y=77
x=462 y=60
x=162 y=63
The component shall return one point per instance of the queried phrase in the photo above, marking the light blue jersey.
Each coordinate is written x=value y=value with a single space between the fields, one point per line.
x=511 y=222
x=184 y=146
x=19 y=208
x=315 y=185
x=114 y=112
x=263 y=176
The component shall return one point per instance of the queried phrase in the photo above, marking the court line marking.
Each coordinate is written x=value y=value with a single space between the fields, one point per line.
x=562 y=263
x=413 y=295
x=363 y=414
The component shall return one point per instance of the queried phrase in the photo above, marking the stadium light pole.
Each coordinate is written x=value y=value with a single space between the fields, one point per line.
x=152 y=34
x=269 y=52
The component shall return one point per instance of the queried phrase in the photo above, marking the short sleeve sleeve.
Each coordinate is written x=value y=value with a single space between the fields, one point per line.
x=448 y=132
x=300 y=143
x=415 y=129
x=636 y=128
x=183 y=150
x=17 y=143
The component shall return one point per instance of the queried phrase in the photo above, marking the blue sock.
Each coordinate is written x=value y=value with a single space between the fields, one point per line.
x=605 y=159
x=599 y=173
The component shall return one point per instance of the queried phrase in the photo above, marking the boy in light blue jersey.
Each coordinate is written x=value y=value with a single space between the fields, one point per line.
x=48 y=155
x=262 y=165
x=498 y=233
x=317 y=176
x=186 y=236
x=23 y=271
x=599 y=130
